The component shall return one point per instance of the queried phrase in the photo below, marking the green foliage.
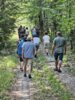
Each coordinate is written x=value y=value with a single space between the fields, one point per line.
x=53 y=14
x=7 y=63
x=7 y=19
x=6 y=78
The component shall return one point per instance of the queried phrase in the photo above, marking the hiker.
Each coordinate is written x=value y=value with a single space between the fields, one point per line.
x=37 y=31
x=22 y=32
x=59 y=48
x=46 y=42
x=34 y=32
x=19 y=52
x=19 y=31
x=36 y=41
x=27 y=31
x=28 y=51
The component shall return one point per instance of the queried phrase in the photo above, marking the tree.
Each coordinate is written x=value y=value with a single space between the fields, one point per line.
x=7 y=20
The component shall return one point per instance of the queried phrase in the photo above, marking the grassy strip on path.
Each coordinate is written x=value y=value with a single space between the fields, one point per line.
x=69 y=63
x=7 y=63
x=48 y=85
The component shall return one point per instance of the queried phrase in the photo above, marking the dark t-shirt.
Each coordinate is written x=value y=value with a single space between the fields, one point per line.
x=59 y=43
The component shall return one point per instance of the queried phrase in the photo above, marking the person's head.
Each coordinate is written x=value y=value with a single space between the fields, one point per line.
x=26 y=28
x=46 y=33
x=20 y=26
x=59 y=33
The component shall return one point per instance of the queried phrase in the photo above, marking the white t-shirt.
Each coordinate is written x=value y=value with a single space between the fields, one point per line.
x=27 y=32
x=36 y=40
x=46 y=39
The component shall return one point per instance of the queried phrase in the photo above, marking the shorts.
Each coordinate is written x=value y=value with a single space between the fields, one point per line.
x=28 y=61
x=58 y=56
x=46 y=45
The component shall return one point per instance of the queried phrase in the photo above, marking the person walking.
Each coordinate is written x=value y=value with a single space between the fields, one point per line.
x=19 y=52
x=34 y=32
x=27 y=31
x=46 y=42
x=19 y=31
x=36 y=41
x=28 y=51
x=58 y=49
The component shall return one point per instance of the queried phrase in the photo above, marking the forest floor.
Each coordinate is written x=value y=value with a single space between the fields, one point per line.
x=25 y=89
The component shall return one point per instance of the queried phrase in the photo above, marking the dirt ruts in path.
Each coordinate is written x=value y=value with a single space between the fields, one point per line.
x=64 y=77
x=23 y=88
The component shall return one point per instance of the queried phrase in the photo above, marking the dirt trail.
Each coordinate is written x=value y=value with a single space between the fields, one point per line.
x=23 y=89
x=64 y=77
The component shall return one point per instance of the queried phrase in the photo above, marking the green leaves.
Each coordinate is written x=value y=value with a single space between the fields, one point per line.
x=8 y=9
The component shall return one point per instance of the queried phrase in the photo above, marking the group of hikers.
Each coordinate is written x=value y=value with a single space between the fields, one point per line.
x=28 y=47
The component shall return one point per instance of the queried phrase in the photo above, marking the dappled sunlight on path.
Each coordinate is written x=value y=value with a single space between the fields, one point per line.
x=23 y=89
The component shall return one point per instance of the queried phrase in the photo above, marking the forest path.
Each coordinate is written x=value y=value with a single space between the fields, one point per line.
x=64 y=77
x=23 y=88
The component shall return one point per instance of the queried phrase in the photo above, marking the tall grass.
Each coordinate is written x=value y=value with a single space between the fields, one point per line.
x=7 y=63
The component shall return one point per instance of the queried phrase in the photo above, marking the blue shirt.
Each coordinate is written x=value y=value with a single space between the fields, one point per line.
x=36 y=40
x=29 y=49
x=19 y=51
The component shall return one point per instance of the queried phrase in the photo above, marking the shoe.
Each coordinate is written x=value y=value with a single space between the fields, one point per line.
x=29 y=76
x=35 y=56
x=59 y=71
x=25 y=75
x=47 y=53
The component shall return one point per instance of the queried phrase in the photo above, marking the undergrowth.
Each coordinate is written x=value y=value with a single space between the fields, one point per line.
x=7 y=63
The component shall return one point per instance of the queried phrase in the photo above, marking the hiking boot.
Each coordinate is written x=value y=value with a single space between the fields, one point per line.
x=59 y=71
x=30 y=76
x=25 y=75
x=47 y=53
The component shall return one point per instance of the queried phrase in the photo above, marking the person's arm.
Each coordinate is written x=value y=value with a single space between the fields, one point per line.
x=34 y=50
x=39 y=40
x=49 y=39
x=53 y=46
x=23 y=51
x=43 y=39
x=65 y=47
